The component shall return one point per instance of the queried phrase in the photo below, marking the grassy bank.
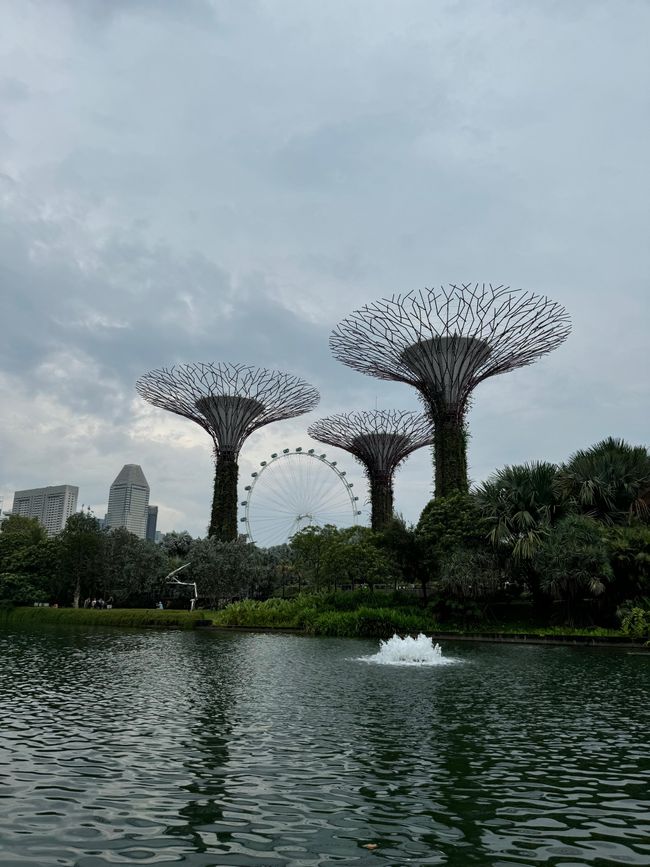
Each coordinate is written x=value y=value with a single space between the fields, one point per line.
x=362 y=616
x=318 y=615
x=134 y=617
x=342 y=615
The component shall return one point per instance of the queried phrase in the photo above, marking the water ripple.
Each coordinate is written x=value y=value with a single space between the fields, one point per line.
x=214 y=750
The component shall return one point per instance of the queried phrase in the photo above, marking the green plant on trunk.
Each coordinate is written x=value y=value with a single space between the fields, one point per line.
x=450 y=454
x=223 y=521
x=381 y=502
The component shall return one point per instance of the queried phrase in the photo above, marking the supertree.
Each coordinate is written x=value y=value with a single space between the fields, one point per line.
x=379 y=440
x=444 y=342
x=229 y=401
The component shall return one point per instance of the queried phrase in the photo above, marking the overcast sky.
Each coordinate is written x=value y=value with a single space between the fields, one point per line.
x=194 y=181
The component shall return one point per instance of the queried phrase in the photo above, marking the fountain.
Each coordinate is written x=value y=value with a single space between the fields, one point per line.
x=409 y=651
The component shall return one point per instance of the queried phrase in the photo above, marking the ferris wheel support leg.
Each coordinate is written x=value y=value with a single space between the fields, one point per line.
x=381 y=502
x=223 y=521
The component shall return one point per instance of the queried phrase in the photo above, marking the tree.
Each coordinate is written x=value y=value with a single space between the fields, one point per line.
x=277 y=569
x=467 y=581
x=134 y=568
x=520 y=504
x=573 y=563
x=350 y=557
x=609 y=482
x=224 y=570
x=447 y=525
x=21 y=589
x=308 y=549
x=404 y=547
x=82 y=545
x=18 y=533
x=28 y=561
x=177 y=544
x=629 y=554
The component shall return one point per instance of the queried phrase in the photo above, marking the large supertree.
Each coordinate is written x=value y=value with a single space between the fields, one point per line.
x=380 y=440
x=229 y=401
x=444 y=342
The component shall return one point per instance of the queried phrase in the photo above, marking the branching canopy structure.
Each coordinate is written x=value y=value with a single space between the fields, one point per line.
x=229 y=401
x=380 y=440
x=444 y=342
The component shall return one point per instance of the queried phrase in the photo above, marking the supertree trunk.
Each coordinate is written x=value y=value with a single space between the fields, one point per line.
x=381 y=502
x=223 y=523
x=450 y=454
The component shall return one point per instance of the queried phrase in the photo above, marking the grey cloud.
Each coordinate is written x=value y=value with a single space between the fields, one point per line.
x=206 y=180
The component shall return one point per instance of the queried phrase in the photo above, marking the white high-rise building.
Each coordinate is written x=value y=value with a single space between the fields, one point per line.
x=52 y=505
x=128 y=501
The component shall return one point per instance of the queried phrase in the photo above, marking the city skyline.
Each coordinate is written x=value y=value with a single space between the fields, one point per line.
x=181 y=185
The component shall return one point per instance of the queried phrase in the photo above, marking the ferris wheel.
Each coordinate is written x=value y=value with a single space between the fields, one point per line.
x=295 y=489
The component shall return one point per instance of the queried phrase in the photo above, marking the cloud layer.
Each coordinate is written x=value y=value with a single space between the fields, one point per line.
x=224 y=181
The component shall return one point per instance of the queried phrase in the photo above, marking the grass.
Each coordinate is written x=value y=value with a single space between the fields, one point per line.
x=529 y=629
x=134 y=617
x=362 y=615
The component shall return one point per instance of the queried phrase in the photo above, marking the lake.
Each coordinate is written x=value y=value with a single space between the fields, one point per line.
x=205 y=749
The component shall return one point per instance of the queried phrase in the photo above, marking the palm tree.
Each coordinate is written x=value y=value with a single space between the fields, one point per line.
x=521 y=504
x=574 y=563
x=609 y=482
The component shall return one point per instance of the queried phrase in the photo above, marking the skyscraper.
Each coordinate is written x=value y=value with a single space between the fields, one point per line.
x=152 y=520
x=52 y=505
x=128 y=501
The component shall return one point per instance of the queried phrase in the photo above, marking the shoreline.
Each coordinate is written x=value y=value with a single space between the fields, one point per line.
x=128 y=618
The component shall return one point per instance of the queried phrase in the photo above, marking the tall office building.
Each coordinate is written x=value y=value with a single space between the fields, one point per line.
x=52 y=505
x=152 y=520
x=128 y=501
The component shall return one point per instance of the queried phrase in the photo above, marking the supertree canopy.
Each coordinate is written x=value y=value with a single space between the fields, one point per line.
x=444 y=342
x=380 y=440
x=229 y=401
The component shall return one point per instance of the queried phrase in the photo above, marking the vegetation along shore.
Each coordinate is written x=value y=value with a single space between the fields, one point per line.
x=538 y=550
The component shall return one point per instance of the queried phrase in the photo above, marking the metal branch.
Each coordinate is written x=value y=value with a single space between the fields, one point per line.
x=445 y=341
x=229 y=401
x=380 y=439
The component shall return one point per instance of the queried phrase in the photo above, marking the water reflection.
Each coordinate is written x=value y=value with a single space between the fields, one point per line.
x=212 y=701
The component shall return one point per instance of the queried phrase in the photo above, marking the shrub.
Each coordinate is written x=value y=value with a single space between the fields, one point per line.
x=636 y=624
x=273 y=613
x=369 y=623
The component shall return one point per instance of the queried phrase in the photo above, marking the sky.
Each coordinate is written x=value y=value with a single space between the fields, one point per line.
x=224 y=181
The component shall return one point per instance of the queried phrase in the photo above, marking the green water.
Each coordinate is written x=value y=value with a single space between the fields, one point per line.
x=205 y=749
